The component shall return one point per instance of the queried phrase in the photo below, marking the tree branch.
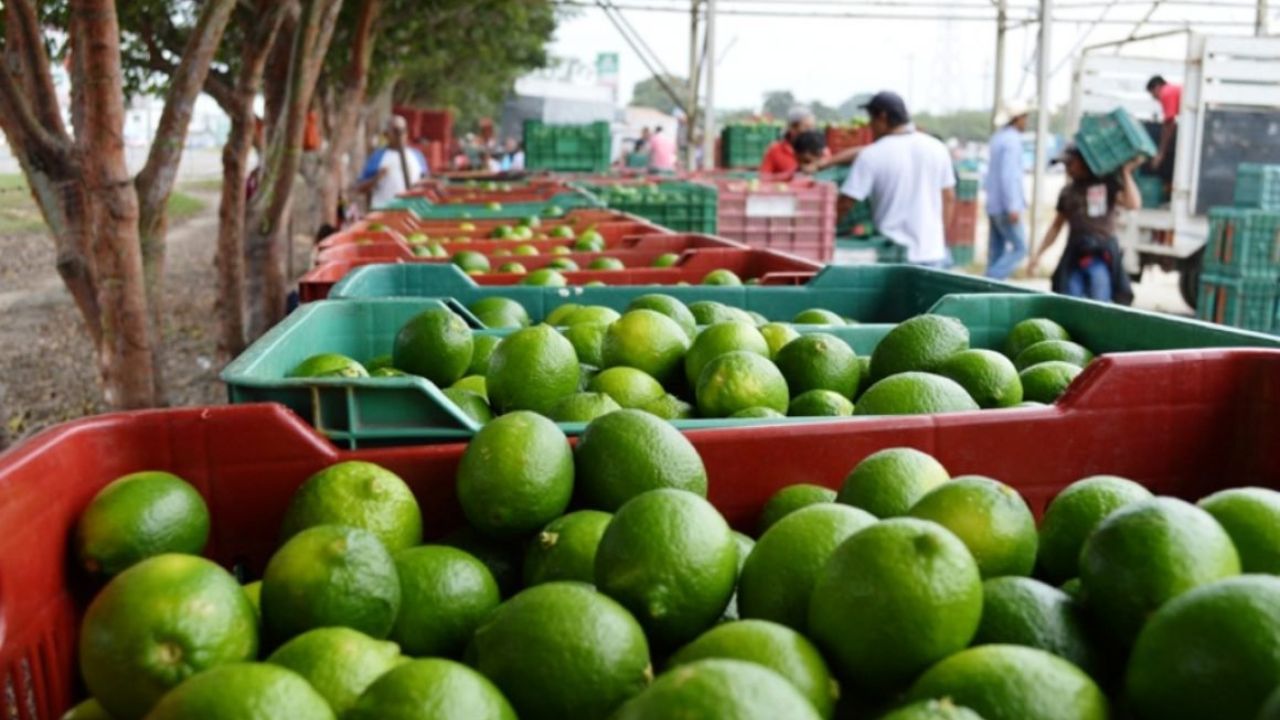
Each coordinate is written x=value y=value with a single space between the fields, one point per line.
x=40 y=79
x=45 y=138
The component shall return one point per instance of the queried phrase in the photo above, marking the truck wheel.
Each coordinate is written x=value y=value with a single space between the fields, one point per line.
x=1189 y=278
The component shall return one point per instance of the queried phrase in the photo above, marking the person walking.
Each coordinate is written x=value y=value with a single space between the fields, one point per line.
x=393 y=168
x=907 y=177
x=1006 y=195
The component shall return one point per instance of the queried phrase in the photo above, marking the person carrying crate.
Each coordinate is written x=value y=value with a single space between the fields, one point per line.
x=1090 y=266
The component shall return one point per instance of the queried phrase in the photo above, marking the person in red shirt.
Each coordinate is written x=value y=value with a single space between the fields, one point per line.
x=780 y=158
x=1169 y=95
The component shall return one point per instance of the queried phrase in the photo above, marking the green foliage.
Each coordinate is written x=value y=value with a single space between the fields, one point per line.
x=650 y=93
x=778 y=103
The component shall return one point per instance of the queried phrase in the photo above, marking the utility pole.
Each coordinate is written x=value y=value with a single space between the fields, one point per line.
x=1002 y=30
x=691 y=119
x=1261 y=26
x=709 y=115
x=1042 y=117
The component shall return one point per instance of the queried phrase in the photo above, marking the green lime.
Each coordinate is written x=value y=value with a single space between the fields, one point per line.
x=514 y=268
x=669 y=407
x=1211 y=653
x=431 y=689
x=560 y=250
x=516 y=475
x=1073 y=515
x=532 y=369
x=792 y=498
x=737 y=381
x=378 y=363
x=666 y=260
x=561 y=232
x=1010 y=682
x=1251 y=516
x=338 y=662
x=502 y=558
x=889 y=482
x=475 y=384
x=758 y=319
x=545 y=277
x=607 y=263
x=88 y=710
x=864 y=376
x=588 y=341
x=819 y=361
x=745 y=545
x=445 y=594
x=481 y=349
x=942 y=709
x=757 y=412
x=1032 y=331
x=589 y=245
x=1046 y=381
x=360 y=495
x=919 y=344
x=718 y=339
x=583 y=407
x=525 y=250
x=1145 y=554
x=471 y=261
x=563 y=263
x=991 y=519
x=912 y=393
x=777 y=335
x=591 y=314
x=566 y=548
x=670 y=558
x=254 y=592
x=646 y=340
x=628 y=387
x=1046 y=350
x=243 y=691
x=926 y=605
x=1022 y=611
x=710 y=312
x=499 y=312
x=139 y=516
x=773 y=646
x=820 y=403
x=156 y=624
x=330 y=575
x=473 y=404
x=628 y=452
x=388 y=372
x=561 y=313
x=329 y=365
x=989 y=378
x=716 y=689
x=778 y=577
x=721 y=277
x=817 y=316
x=435 y=344
x=563 y=650
x=668 y=306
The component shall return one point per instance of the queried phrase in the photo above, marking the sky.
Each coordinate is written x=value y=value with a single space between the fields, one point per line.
x=936 y=65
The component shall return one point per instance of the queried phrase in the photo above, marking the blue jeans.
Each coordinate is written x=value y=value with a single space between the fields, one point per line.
x=1008 y=247
x=1092 y=281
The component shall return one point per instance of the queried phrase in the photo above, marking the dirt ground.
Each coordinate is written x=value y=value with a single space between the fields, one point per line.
x=47 y=368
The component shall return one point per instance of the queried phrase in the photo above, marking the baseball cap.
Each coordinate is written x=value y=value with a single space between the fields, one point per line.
x=890 y=104
x=1068 y=150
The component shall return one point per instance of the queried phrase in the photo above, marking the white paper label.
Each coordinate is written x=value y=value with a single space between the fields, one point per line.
x=771 y=206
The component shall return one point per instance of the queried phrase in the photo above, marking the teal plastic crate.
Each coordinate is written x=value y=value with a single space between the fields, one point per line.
x=425 y=210
x=1109 y=141
x=1152 y=190
x=567 y=148
x=1258 y=186
x=866 y=293
x=675 y=204
x=743 y=146
x=967 y=186
x=867 y=250
x=961 y=255
x=1247 y=303
x=1243 y=243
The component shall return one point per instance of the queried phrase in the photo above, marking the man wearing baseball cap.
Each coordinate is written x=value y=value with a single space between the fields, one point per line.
x=907 y=177
x=1006 y=197
x=392 y=169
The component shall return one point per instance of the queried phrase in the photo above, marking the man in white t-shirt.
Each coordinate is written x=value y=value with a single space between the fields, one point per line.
x=393 y=169
x=907 y=177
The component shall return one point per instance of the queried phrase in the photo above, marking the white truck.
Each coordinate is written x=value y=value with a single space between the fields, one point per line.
x=1230 y=114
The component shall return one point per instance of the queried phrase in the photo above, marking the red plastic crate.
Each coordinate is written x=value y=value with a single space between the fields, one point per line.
x=1184 y=424
x=406 y=223
x=798 y=217
x=843 y=138
x=434 y=125
x=963 y=230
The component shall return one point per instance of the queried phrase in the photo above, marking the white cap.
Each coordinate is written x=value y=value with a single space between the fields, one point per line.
x=1012 y=110
x=397 y=122
x=799 y=114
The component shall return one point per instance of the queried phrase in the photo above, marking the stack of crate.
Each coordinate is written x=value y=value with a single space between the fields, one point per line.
x=1241 y=281
x=962 y=234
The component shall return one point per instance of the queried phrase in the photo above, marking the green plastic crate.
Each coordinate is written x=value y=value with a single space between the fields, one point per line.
x=967 y=187
x=1151 y=188
x=869 y=249
x=1258 y=186
x=1243 y=243
x=674 y=204
x=1247 y=303
x=556 y=206
x=961 y=255
x=866 y=293
x=744 y=145
x=1109 y=141
x=567 y=148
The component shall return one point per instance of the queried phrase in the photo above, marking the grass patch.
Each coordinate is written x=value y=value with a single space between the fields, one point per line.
x=19 y=213
x=207 y=185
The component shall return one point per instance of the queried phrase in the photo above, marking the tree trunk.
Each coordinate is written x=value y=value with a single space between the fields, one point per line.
x=342 y=137
x=266 y=225
x=155 y=182
x=124 y=354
